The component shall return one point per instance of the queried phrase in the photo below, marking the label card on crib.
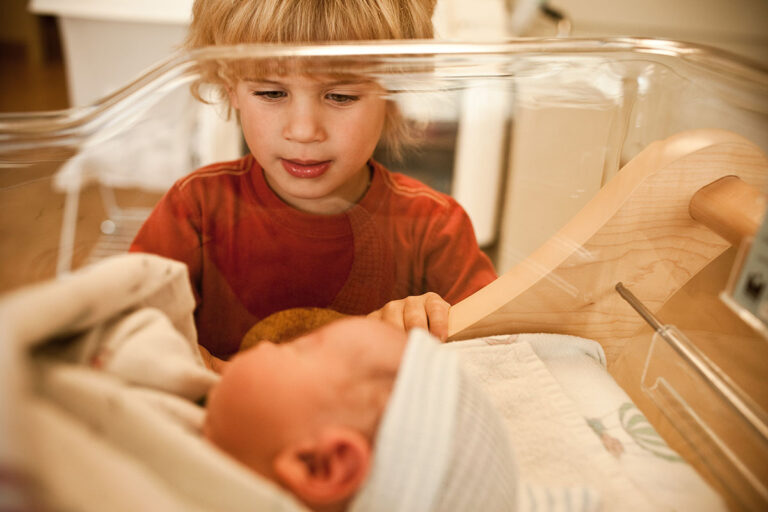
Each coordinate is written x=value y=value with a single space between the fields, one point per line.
x=747 y=294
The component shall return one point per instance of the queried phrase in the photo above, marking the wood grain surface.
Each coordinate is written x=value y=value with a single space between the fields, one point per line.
x=636 y=230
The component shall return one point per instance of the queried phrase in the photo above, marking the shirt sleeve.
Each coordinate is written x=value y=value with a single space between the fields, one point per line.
x=455 y=267
x=173 y=230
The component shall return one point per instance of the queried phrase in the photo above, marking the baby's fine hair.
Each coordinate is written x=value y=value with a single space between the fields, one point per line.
x=232 y=22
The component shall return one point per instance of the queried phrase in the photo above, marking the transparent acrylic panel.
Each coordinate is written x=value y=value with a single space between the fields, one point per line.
x=522 y=134
x=726 y=429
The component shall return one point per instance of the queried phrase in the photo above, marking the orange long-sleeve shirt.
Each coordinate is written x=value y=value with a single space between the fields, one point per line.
x=249 y=254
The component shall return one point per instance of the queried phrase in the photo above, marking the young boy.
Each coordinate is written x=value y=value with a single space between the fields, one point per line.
x=308 y=219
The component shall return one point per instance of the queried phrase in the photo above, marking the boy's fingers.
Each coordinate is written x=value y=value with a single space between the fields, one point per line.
x=392 y=312
x=415 y=313
x=437 y=312
x=428 y=311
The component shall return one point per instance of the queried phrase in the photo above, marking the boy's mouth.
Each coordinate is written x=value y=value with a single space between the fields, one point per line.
x=305 y=168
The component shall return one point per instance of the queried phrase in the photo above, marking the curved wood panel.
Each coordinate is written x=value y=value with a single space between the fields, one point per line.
x=636 y=230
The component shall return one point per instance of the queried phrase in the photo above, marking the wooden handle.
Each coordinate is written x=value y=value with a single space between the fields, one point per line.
x=729 y=207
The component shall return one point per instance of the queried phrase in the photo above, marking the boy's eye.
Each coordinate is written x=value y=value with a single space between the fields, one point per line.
x=341 y=98
x=270 y=95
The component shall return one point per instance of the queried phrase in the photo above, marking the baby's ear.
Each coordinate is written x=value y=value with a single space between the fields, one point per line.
x=329 y=469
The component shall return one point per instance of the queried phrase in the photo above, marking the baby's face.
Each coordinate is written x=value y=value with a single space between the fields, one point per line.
x=273 y=395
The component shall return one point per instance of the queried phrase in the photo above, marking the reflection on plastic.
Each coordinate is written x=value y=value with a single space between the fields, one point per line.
x=724 y=427
x=574 y=111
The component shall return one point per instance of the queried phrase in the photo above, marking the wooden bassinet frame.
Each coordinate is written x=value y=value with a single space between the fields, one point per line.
x=637 y=230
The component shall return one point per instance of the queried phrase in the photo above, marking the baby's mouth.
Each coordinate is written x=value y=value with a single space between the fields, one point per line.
x=305 y=168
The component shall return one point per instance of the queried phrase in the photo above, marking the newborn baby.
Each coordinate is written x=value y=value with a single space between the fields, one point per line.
x=359 y=415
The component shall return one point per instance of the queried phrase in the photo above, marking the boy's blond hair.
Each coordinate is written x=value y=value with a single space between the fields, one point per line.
x=231 y=22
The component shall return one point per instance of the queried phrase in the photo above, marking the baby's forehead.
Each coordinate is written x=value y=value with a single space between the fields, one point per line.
x=358 y=329
x=371 y=347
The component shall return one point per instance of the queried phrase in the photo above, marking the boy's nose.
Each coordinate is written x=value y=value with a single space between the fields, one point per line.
x=304 y=124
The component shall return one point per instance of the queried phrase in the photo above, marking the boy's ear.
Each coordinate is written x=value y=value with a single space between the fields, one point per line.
x=328 y=469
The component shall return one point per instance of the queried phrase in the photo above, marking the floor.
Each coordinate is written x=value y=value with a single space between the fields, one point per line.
x=32 y=83
x=31 y=219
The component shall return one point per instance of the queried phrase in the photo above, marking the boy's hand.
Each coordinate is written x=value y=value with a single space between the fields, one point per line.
x=211 y=361
x=428 y=311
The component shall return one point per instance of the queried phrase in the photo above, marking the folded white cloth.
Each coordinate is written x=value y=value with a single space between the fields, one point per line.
x=103 y=365
x=143 y=348
x=132 y=315
x=84 y=299
x=552 y=442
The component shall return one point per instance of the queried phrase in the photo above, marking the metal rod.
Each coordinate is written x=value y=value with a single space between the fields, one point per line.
x=639 y=307
x=710 y=372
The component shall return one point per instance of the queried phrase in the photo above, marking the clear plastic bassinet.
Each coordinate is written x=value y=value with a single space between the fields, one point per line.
x=522 y=133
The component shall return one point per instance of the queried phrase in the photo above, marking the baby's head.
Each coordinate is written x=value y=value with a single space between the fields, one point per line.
x=360 y=415
x=304 y=414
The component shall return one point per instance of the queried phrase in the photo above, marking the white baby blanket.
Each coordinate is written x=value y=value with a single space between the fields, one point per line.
x=571 y=423
x=97 y=403
x=552 y=442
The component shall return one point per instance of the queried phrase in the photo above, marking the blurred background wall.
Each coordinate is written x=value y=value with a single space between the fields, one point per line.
x=740 y=26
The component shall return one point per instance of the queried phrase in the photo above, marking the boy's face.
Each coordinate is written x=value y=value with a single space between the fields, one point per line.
x=312 y=136
x=272 y=395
